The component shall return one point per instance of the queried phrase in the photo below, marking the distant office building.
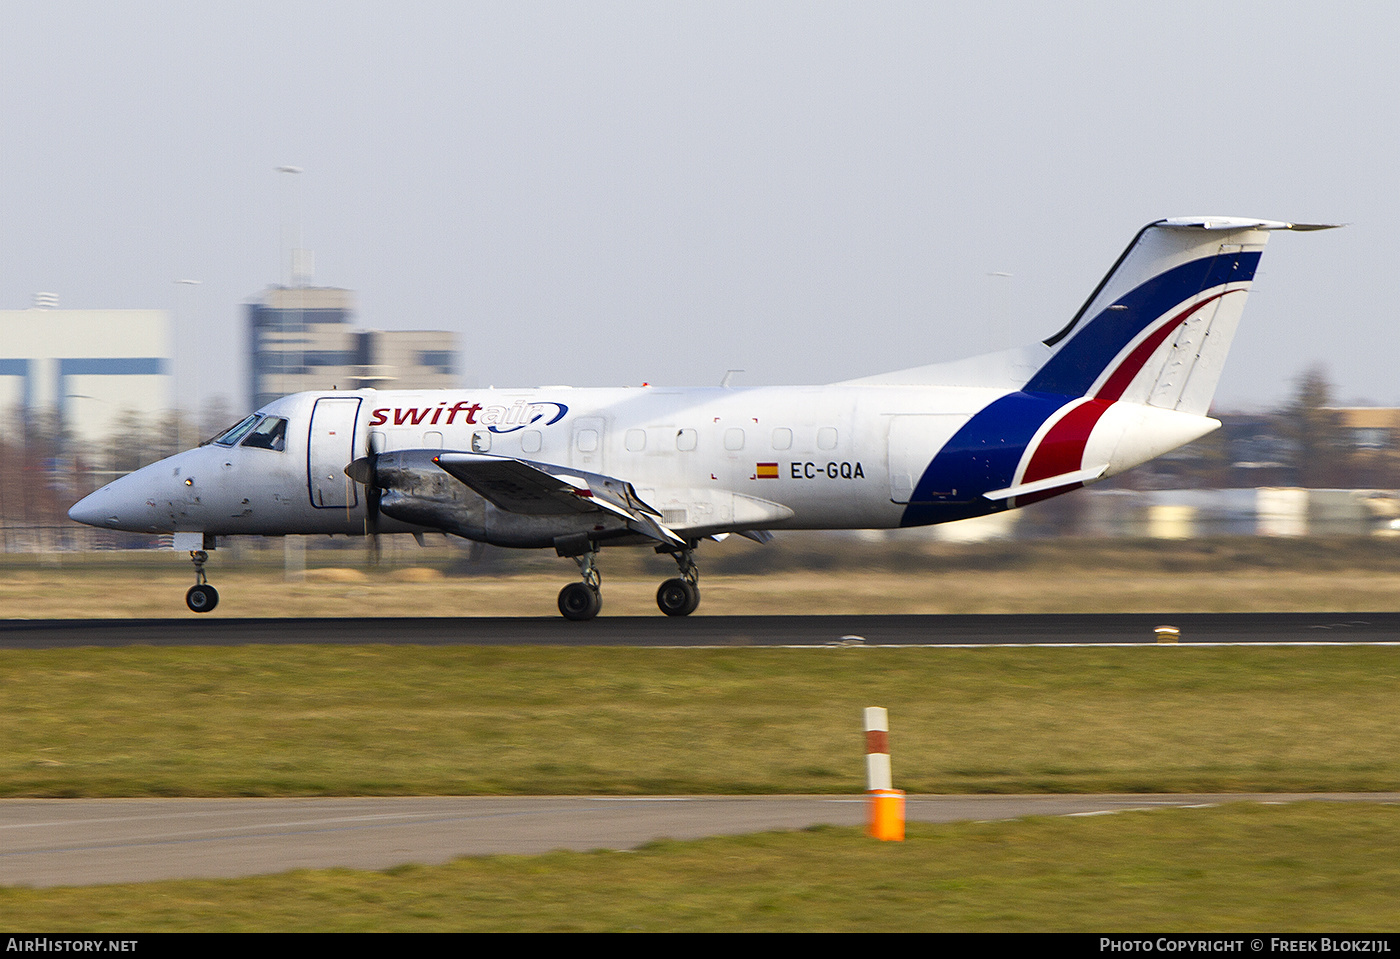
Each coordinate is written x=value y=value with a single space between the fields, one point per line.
x=303 y=338
x=88 y=366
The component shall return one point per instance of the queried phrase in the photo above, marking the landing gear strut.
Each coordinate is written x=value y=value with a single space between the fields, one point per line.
x=581 y=601
x=680 y=596
x=201 y=597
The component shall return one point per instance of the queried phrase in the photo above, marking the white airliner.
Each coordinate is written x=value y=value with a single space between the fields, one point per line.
x=1129 y=378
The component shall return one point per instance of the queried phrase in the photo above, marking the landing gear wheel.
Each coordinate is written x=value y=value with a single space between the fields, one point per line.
x=202 y=598
x=676 y=597
x=579 y=601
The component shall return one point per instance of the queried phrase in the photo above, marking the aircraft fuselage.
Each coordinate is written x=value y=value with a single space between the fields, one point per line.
x=709 y=460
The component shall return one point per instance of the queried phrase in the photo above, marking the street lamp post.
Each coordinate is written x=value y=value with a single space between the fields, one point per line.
x=999 y=313
x=293 y=547
x=291 y=256
x=175 y=362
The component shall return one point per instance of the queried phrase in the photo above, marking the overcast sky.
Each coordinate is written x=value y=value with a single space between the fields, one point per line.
x=612 y=193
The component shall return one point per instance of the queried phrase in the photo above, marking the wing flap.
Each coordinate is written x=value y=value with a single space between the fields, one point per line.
x=522 y=486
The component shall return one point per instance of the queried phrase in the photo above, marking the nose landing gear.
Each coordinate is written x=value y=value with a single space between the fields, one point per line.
x=201 y=597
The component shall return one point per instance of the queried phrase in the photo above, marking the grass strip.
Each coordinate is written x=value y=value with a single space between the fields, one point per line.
x=375 y=720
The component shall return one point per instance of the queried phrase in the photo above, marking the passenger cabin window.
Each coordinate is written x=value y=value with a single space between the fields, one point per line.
x=636 y=440
x=481 y=442
x=685 y=440
x=734 y=439
x=782 y=438
x=826 y=438
x=530 y=441
x=270 y=434
x=587 y=440
x=233 y=434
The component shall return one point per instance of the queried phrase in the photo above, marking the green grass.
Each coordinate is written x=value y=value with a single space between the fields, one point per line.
x=1244 y=866
x=369 y=720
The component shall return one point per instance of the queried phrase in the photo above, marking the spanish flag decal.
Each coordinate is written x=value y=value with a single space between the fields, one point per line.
x=767 y=471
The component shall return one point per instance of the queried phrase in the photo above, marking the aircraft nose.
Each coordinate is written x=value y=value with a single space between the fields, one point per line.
x=97 y=509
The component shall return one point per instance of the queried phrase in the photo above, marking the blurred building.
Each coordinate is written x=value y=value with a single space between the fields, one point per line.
x=89 y=367
x=304 y=338
x=1372 y=434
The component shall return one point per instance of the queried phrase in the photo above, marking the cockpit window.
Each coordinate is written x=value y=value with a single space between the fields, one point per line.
x=235 y=433
x=270 y=434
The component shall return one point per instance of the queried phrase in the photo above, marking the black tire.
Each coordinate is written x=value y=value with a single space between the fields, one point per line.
x=579 y=601
x=202 y=598
x=694 y=603
x=676 y=597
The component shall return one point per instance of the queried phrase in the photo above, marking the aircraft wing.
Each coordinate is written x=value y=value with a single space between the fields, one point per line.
x=524 y=486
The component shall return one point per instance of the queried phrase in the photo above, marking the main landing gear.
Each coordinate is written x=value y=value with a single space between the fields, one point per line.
x=201 y=597
x=680 y=596
x=677 y=597
x=581 y=601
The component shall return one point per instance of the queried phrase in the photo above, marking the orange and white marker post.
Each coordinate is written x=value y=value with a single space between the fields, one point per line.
x=886 y=803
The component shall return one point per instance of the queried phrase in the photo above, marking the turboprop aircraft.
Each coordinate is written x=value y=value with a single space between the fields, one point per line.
x=1130 y=377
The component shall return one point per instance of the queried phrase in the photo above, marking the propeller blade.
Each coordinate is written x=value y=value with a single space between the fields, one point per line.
x=366 y=472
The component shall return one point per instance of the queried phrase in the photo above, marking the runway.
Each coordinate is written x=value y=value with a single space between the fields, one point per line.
x=58 y=842
x=697 y=631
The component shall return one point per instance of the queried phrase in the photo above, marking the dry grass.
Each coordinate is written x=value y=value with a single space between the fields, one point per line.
x=156 y=588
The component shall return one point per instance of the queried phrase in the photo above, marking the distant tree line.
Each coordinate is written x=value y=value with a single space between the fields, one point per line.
x=1307 y=443
x=44 y=469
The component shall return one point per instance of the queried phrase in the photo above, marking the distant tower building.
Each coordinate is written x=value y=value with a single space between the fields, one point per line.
x=300 y=338
x=303 y=338
x=88 y=366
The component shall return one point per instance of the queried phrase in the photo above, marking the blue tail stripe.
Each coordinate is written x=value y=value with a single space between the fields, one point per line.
x=1073 y=370
x=981 y=456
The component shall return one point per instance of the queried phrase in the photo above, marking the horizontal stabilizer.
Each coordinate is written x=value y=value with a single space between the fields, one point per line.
x=1241 y=223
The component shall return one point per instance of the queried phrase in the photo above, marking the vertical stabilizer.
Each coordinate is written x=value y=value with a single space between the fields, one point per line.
x=1158 y=327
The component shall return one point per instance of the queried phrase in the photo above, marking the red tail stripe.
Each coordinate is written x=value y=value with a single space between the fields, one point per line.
x=1129 y=368
x=1061 y=450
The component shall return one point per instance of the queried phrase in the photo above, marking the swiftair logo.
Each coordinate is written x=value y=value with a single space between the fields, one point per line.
x=497 y=419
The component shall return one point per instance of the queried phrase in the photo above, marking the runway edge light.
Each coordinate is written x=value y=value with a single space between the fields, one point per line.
x=886 y=804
